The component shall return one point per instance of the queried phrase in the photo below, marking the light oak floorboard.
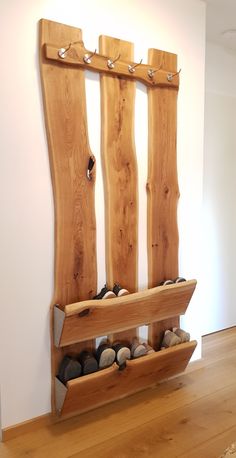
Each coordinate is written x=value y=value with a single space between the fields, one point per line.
x=192 y=415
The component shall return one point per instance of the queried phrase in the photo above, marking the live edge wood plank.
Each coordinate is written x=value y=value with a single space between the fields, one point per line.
x=75 y=56
x=88 y=319
x=85 y=393
x=120 y=173
x=69 y=153
x=64 y=99
x=162 y=184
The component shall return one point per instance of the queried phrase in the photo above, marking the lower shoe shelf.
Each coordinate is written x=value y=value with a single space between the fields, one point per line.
x=90 y=391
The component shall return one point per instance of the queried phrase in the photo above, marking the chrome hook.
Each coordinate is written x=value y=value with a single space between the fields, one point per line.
x=63 y=51
x=131 y=68
x=152 y=72
x=170 y=76
x=87 y=57
x=110 y=62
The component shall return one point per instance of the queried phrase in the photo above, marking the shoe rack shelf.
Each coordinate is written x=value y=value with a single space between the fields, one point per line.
x=93 y=390
x=88 y=319
x=76 y=319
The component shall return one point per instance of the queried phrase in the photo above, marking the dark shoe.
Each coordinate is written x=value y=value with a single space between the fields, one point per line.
x=88 y=362
x=119 y=291
x=105 y=355
x=179 y=280
x=105 y=293
x=122 y=353
x=69 y=369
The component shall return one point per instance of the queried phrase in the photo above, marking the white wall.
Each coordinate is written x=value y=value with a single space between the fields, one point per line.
x=219 y=189
x=26 y=260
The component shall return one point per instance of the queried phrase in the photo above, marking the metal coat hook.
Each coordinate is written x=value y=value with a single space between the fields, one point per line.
x=131 y=68
x=152 y=72
x=63 y=51
x=170 y=76
x=87 y=57
x=110 y=62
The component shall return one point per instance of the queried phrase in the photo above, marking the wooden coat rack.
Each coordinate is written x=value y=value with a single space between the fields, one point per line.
x=77 y=319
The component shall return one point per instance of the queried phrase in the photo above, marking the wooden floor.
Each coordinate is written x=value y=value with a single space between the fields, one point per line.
x=191 y=416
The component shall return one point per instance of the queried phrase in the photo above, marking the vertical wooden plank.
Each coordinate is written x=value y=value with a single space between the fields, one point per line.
x=69 y=152
x=162 y=186
x=120 y=172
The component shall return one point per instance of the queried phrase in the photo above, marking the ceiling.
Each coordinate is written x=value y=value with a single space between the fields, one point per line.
x=221 y=22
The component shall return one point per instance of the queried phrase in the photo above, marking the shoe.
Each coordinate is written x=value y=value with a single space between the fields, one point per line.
x=167 y=282
x=105 y=293
x=69 y=369
x=148 y=348
x=179 y=280
x=137 y=349
x=88 y=362
x=105 y=355
x=119 y=291
x=122 y=353
x=183 y=335
x=170 y=339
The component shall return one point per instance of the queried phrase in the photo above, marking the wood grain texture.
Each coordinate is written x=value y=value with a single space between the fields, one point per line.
x=120 y=426
x=66 y=124
x=120 y=171
x=184 y=433
x=88 y=319
x=75 y=56
x=162 y=184
x=104 y=386
x=75 y=276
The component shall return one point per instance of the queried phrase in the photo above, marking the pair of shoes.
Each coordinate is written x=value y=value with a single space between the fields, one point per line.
x=107 y=354
x=171 y=282
x=135 y=350
x=88 y=362
x=107 y=293
x=174 y=337
x=122 y=352
x=102 y=358
x=138 y=349
x=73 y=367
x=69 y=368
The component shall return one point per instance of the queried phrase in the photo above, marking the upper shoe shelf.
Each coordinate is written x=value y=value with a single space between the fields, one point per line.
x=85 y=320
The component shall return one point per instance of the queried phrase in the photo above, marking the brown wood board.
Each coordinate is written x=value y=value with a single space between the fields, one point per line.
x=162 y=184
x=120 y=173
x=66 y=124
x=88 y=319
x=99 y=63
x=85 y=393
